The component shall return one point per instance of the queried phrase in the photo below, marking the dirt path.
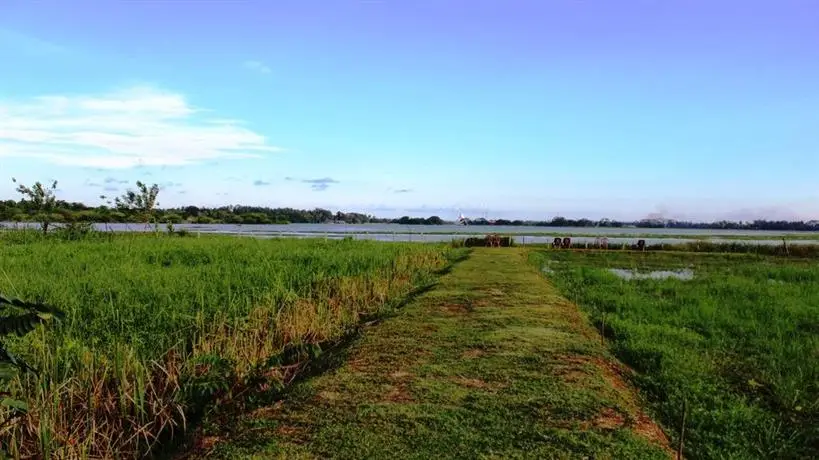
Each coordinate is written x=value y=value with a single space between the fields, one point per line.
x=493 y=363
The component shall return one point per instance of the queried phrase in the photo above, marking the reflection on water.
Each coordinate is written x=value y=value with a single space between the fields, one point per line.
x=684 y=274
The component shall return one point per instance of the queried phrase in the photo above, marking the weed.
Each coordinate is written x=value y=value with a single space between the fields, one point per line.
x=737 y=343
x=157 y=328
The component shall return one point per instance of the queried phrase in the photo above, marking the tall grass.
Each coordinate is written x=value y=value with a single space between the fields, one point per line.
x=735 y=247
x=739 y=343
x=157 y=326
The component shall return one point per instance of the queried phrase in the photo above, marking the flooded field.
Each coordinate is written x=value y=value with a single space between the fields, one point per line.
x=522 y=235
x=682 y=274
x=731 y=336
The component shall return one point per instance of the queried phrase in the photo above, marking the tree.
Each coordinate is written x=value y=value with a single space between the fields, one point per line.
x=41 y=199
x=142 y=202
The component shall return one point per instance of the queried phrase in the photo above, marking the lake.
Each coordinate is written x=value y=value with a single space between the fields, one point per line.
x=522 y=234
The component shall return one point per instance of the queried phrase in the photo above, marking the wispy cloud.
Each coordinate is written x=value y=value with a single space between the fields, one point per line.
x=26 y=44
x=403 y=190
x=133 y=127
x=111 y=180
x=169 y=184
x=319 y=185
x=111 y=188
x=257 y=66
x=260 y=183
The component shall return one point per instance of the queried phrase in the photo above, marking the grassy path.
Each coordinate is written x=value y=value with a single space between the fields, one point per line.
x=492 y=363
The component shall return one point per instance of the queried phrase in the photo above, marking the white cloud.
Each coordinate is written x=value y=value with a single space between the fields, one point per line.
x=258 y=66
x=137 y=126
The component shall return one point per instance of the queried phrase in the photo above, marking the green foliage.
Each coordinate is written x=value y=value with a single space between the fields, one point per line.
x=41 y=200
x=19 y=324
x=142 y=201
x=505 y=241
x=406 y=220
x=208 y=377
x=738 y=343
x=157 y=320
x=294 y=353
x=116 y=294
x=74 y=231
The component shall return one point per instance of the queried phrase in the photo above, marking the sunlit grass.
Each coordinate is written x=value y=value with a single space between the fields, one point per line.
x=151 y=320
x=739 y=343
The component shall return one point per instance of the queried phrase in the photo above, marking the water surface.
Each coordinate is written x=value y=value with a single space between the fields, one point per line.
x=442 y=233
x=684 y=274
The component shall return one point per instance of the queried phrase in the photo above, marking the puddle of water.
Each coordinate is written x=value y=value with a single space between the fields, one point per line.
x=684 y=274
x=547 y=266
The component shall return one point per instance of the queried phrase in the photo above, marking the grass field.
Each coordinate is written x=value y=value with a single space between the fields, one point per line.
x=492 y=363
x=157 y=326
x=739 y=343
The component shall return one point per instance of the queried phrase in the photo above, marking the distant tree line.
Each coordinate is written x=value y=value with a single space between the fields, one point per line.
x=64 y=212
x=40 y=204
x=780 y=225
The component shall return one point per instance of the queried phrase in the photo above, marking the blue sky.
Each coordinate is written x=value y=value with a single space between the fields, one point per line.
x=686 y=109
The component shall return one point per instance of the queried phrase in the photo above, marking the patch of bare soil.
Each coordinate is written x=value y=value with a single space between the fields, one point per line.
x=457 y=309
x=429 y=328
x=471 y=383
x=329 y=395
x=400 y=375
x=574 y=376
x=614 y=373
x=359 y=365
x=474 y=353
x=571 y=370
x=397 y=394
x=290 y=431
x=267 y=411
x=609 y=419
